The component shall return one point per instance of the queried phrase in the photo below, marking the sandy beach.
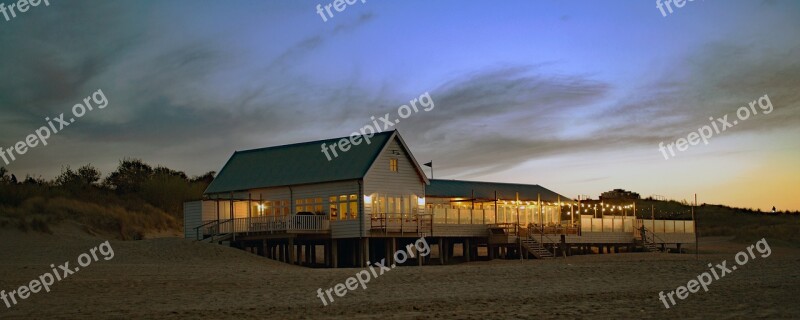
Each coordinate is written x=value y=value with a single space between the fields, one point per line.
x=172 y=278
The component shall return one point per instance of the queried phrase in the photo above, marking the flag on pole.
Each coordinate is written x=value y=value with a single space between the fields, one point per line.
x=429 y=164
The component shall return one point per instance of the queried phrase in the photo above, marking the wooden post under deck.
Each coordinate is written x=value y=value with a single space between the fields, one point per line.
x=326 y=249
x=334 y=253
x=393 y=244
x=365 y=256
x=299 y=255
x=358 y=252
x=419 y=257
x=290 y=249
x=467 y=250
x=441 y=252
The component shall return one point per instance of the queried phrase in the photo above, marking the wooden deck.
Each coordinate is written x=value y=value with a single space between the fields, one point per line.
x=406 y=225
x=295 y=224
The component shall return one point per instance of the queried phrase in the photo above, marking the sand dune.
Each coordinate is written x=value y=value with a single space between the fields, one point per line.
x=172 y=278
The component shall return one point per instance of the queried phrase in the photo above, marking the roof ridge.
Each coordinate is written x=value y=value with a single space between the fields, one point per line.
x=305 y=143
x=487 y=182
x=296 y=163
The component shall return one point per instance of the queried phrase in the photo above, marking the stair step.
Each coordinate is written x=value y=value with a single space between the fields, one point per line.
x=535 y=248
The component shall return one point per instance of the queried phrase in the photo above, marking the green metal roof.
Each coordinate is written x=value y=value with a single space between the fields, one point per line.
x=293 y=164
x=486 y=190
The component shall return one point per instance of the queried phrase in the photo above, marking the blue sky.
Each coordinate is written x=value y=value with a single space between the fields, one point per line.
x=572 y=95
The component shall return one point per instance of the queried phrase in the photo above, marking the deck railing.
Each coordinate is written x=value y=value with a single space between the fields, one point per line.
x=667 y=226
x=536 y=232
x=463 y=216
x=647 y=235
x=291 y=223
x=401 y=222
x=536 y=229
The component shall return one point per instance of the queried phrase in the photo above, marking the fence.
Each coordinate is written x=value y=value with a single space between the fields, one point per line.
x=668 y=226
x=463 y=216
x=607 y=224
x=305 y=223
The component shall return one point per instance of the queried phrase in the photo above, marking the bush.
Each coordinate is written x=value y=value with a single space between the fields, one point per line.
x=132 y=200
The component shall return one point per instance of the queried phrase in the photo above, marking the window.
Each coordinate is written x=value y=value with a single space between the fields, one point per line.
x=284 y=207
x=308 y=205
x=271 y=208
x=393 y=165
x=259 y=209
x=344 y=207
x=407 y=205
x=334 y=210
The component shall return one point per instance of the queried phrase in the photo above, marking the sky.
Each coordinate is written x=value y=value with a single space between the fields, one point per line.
x=576 y=96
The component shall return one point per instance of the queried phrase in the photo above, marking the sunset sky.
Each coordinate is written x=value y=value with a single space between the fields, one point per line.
x=572 y=95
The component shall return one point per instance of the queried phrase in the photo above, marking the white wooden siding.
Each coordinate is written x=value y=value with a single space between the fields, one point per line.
x=379 y=179
x=460 y=230
x=345 y=229
x=599 y=237
x=194 y=213
x=675 y=237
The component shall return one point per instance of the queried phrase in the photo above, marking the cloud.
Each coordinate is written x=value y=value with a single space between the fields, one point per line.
x=500 y=118
x=203 y=96
x=717 y=80
x=50 y=68
x=290 y=56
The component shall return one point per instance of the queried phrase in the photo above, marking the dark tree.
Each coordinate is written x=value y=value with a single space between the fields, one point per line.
x=205 y=178
x=129 y=176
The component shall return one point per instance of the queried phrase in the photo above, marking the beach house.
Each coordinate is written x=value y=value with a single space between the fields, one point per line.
x=294 y=204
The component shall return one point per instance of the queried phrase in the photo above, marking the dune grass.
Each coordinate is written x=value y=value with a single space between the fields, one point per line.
x=39 y=213
x=132 y=201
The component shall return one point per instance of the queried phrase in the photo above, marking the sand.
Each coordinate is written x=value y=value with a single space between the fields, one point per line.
x=172 y=278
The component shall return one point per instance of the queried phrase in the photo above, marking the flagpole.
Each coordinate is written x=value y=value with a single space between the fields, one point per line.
x=429 y=164
x=694 y=224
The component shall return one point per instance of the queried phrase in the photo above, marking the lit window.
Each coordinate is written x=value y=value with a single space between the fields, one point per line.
x=393 y=165
x=344 y=207
x=334 y=210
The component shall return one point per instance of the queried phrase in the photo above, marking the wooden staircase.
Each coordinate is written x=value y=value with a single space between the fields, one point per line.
x=647 y=241
x=650 y=247
x=536 y=249
x=425 y=227
x=217 y=238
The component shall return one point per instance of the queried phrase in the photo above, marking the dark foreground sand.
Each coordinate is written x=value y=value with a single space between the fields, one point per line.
x=178 y=279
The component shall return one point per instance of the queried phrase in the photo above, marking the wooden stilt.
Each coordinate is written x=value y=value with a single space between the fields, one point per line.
x=299 y=256
x=326 y=249
x=441 y=251
x=366 y=259
x=335 y=253
x=467 y=250
x=290 y=249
